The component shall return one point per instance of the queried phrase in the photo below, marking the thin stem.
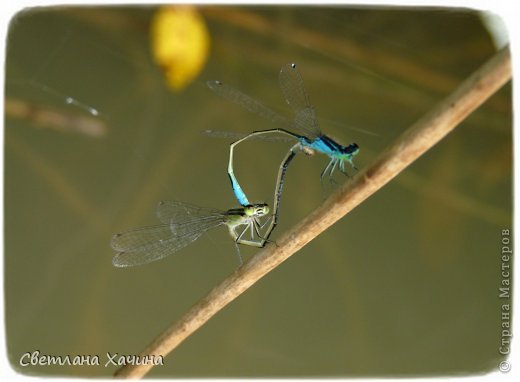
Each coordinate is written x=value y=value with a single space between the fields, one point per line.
x=414 y=142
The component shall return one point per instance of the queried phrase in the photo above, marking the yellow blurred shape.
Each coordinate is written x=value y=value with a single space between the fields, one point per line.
x=180 y=43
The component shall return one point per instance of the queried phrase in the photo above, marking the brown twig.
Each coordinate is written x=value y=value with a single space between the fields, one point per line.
x=424 y=134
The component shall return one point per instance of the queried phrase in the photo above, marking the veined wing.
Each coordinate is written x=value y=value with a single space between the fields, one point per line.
x=254 y=106
x=235 y=135
x=291 y=84
x=144 y=245
x=169 y=212
x=202 y=224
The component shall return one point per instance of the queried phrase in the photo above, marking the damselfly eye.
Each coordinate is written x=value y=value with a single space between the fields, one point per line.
x=351 y=149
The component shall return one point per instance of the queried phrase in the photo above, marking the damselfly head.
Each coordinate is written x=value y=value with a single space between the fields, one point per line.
x=350 y=150
x=256 y=210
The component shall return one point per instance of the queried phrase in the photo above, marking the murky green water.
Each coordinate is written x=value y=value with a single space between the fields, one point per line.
x=406 y=284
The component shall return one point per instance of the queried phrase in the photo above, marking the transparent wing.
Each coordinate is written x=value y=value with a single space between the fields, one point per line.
x=144 y=245
x=234 y=135
x=293 y=90
x=179 y=212
x=201 y=224
x=254 y=106
x=147 y=244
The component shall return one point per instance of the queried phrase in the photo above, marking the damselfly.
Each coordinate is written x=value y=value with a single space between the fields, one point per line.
x=309 y=136
x=183 y=223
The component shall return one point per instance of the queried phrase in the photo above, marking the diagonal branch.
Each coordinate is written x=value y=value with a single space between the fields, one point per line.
x=414 y=142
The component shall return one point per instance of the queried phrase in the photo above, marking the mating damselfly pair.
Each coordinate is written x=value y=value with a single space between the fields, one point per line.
x=183 y=223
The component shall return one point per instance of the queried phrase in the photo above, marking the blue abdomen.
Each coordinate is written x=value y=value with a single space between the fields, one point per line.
x=239 y=193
